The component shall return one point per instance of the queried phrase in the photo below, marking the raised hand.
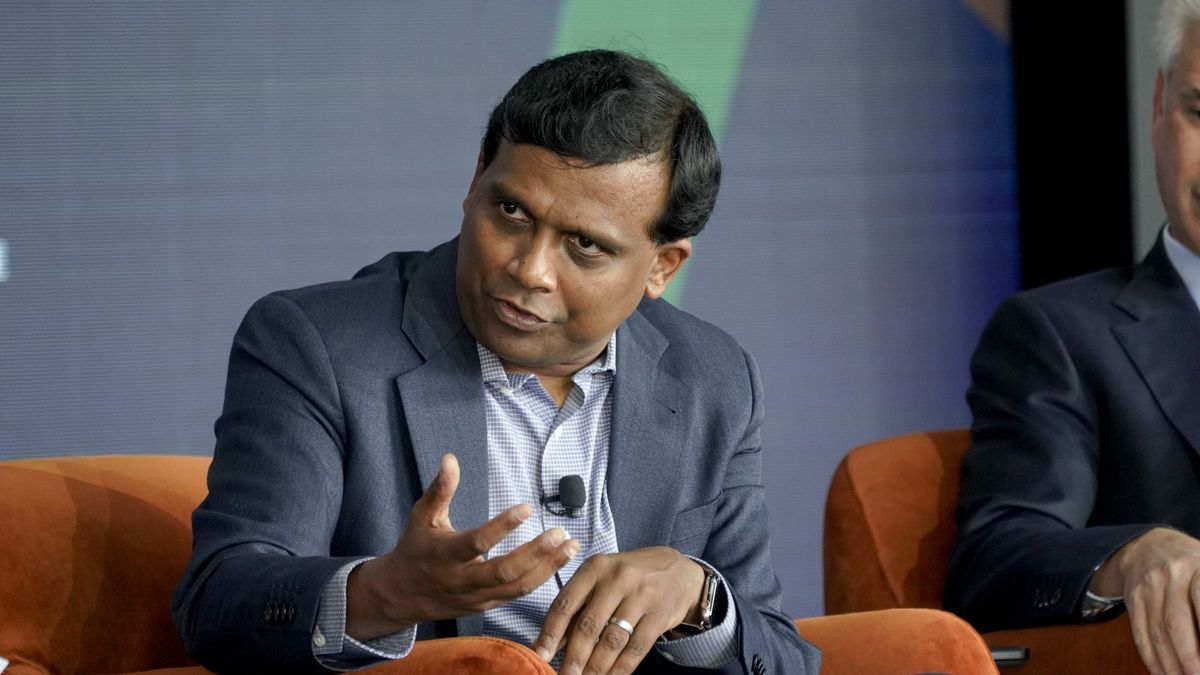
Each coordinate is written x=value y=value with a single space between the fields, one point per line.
x=435 y=572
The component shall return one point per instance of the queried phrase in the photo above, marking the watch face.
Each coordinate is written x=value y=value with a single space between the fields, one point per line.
x=1095 y=607
x=708 y=600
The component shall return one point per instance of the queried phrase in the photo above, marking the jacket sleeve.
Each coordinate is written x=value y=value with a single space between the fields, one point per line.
x=260 y=556
x=1024 y=553
x=739 y=547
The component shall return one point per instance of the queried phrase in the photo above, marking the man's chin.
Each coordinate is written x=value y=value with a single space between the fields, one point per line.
x=515 y=352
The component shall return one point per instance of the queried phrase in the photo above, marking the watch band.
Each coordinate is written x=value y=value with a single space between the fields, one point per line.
x=708 y=600
x=1097 y=606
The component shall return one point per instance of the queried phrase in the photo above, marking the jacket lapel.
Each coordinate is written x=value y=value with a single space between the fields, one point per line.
x=647 y=433
x=1164 y=342
x=442 y=399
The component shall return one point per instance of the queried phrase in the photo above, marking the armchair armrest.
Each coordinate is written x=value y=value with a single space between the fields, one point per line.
x=461 y=655
x=468 y=655
x=897 y=641
x=1102 y=647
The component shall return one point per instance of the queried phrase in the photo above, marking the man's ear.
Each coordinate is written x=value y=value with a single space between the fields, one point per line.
x=667 y=263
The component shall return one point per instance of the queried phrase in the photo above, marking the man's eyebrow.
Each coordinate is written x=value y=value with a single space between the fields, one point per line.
x=502 y=191
x=1192 y=94
x=501 y=188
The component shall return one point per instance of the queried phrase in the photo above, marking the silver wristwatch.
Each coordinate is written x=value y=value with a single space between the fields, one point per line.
x=708 y=600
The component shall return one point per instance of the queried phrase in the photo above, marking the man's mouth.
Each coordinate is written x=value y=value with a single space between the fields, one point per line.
x=516 y=316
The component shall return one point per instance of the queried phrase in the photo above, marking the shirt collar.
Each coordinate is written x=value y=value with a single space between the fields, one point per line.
x=493 y=370
x=1186 y=264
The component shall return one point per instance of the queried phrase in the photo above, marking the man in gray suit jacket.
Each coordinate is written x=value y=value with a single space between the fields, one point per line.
x=365 y=420
x=1081 y=490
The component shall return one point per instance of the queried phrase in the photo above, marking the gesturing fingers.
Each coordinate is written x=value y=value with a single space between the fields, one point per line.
x=523 y=570
x=475 y=543
x=433 y=508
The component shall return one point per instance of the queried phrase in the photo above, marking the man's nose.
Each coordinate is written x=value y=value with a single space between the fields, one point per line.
x=533 y=265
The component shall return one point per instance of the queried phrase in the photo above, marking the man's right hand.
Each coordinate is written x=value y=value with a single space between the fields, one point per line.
x=435 y=572
x=1159 y=575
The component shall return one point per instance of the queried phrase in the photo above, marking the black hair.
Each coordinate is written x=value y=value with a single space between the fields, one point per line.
x=607 y=107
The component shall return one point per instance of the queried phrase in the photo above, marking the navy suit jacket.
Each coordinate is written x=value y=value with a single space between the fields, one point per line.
x=1086 y=432
x=341 y=400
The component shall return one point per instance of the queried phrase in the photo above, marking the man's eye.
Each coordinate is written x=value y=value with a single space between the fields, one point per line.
x=587 y=245
x=512 y=210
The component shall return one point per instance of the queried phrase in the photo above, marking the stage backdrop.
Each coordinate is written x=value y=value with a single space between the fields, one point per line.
x=164 y=164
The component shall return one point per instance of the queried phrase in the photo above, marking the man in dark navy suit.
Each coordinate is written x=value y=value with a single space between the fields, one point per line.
x=1081 y=491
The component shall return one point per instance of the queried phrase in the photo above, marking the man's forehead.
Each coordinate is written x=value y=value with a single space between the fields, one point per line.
x=550 y=157
x=516 y=162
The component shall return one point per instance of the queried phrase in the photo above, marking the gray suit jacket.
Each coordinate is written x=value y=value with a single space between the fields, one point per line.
x=341 y=400
x=1086 y=432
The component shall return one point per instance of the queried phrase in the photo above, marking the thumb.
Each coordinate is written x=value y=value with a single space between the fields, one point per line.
x=433 y=508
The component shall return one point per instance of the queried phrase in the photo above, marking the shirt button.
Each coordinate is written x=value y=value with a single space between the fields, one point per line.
x=318 y=639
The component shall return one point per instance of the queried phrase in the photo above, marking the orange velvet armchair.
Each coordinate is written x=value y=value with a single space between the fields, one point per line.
x=889 y=532
x=91 y=548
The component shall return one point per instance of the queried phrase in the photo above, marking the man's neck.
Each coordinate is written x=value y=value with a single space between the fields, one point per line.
x=559 y=387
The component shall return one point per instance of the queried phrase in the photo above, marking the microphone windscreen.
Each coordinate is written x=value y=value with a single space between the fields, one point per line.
x=571 y=491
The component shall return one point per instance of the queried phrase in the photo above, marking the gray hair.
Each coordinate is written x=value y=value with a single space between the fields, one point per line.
x=1173 y=19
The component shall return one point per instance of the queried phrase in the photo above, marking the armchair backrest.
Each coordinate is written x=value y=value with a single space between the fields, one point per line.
x=90 y=551
x=889 y=522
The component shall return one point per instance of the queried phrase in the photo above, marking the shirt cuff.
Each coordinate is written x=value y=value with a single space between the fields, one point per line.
x=338 y=651
x=712 y=648
x=1095 y=607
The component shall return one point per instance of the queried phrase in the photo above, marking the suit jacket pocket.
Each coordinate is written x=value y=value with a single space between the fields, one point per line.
x=691 y=528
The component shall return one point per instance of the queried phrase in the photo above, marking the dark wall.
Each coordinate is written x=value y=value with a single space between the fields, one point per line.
x=1070 y=93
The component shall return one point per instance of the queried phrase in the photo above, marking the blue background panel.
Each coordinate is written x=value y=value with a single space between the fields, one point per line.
x=164 y=164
